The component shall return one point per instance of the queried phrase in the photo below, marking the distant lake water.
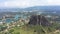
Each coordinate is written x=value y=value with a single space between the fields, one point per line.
x=16 y=17
x=8 y=20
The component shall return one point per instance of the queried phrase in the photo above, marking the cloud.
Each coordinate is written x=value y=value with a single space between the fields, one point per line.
x=14 y=4
x=28 y=3
x=53 y=2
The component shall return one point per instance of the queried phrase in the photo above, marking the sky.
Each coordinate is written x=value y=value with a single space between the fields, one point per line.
x=28 y=3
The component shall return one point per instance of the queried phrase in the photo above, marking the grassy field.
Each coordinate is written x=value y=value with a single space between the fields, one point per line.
x=37 y=29
x=33 y=30
x=21 y=30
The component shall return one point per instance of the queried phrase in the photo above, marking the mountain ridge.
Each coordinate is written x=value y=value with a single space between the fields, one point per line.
x=46 y=8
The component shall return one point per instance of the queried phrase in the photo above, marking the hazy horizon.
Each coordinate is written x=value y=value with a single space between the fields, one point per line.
x=28 y=3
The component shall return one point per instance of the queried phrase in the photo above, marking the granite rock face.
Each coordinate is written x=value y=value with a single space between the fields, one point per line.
x=38 y=19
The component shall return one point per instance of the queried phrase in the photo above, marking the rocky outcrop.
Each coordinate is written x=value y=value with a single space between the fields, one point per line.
x=38 y=20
